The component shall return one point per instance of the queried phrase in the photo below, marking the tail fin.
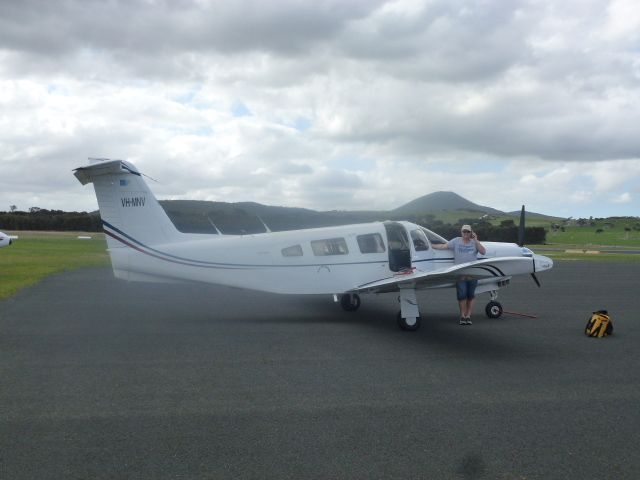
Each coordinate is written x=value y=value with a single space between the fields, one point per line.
x=130 y=212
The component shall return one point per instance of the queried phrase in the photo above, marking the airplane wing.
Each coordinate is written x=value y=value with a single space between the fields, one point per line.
x=497 y=268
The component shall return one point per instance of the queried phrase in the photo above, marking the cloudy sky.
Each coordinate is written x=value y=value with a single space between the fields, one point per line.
x=337 y=104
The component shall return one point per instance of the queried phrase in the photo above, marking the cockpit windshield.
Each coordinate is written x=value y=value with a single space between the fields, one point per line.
x=434 y=238
x=419 y=240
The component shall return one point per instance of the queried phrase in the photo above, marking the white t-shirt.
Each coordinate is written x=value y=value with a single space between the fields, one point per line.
x=463 y=253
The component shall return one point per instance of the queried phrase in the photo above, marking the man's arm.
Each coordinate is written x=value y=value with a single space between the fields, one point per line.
x=479 y=246
x=443 y=246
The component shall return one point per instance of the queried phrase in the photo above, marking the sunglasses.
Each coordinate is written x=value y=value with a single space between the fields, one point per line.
x=466 y=231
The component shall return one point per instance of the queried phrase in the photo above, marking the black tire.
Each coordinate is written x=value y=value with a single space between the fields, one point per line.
x=402 y=323
x=493 y=309
x=350 y=303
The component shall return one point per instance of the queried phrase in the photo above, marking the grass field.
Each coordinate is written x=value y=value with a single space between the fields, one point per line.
x=613 y=234
x=36 y=255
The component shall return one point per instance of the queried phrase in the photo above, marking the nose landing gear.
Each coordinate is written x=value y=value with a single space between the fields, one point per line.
x=493 y=308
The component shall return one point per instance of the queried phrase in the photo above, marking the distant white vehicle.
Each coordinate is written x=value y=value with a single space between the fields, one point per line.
x=344 y=261
x=5 y=240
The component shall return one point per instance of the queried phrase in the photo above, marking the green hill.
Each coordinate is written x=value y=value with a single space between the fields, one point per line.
x=442 y=201
x=433 y=209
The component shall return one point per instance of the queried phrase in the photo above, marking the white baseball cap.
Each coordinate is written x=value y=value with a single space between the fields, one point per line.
x=466 y=227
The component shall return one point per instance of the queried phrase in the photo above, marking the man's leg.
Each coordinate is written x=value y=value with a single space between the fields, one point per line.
x=461 y=293
x=471 y=299
x=463 y=307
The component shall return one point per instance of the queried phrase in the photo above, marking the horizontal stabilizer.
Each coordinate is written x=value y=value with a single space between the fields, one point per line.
x=103 y=167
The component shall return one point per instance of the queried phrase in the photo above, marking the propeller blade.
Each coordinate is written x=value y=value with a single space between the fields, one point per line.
x=535 y=279
x=521 y=228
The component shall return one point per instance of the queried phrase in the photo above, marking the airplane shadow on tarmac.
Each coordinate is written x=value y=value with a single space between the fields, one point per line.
x=379 y=319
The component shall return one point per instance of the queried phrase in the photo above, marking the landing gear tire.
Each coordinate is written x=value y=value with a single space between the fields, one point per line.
x=493 y=309
x=406 y=326
x=350 y=302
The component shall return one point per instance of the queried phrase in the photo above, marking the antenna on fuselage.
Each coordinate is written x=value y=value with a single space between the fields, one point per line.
x=214 y=225
x=264 y=224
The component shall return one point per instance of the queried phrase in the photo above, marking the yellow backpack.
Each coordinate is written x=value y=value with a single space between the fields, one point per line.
x=599 y=325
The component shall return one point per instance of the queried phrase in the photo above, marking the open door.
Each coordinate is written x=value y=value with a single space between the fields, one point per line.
x=399 y=249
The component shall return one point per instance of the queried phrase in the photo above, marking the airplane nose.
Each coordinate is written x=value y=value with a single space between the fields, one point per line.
x=542 y=263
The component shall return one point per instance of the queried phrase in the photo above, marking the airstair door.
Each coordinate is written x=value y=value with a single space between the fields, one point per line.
x=399 y=249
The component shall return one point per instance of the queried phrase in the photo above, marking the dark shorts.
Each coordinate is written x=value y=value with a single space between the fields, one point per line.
x=466 y=289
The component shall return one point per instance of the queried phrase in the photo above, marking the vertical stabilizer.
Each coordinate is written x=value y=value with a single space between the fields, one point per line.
x=129 y=211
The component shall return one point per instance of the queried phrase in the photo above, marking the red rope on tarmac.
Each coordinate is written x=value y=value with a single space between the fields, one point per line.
x=519 y=314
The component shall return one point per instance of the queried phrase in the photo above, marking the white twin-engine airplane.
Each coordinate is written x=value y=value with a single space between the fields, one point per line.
x=344 y=261
x=5 y=240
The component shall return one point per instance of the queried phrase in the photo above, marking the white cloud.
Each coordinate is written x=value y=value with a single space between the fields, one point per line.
x=622 y=22
x=328 y=105
x=622 y=198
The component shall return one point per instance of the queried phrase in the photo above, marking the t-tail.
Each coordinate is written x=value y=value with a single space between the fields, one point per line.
x=131 y=215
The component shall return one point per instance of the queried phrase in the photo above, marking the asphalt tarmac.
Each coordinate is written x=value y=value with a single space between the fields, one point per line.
x=101 y=379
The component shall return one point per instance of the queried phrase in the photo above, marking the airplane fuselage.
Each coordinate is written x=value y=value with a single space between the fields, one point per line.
x=314 y=261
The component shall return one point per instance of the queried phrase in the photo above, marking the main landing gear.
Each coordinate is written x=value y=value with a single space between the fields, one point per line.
x=409 y=315
x=350 y=302
x=408 y=324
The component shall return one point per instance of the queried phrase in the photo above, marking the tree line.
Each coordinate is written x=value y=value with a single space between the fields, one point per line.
x=50 y=220
x=506 y=231
x=242 y=221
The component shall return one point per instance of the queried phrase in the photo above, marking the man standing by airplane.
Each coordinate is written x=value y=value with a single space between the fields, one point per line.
x=465 y=249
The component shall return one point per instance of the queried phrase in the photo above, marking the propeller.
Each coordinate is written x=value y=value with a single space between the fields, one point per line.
x=521 y=244
x=521 y=228
x=535 y=279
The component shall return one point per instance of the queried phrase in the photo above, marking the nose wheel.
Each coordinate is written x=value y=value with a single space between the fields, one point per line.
x=493 y=309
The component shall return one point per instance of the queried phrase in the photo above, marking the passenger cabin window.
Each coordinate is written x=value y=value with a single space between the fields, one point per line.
x=419 y=239
x=330 y=246
x=292 y=251
x=371 y=243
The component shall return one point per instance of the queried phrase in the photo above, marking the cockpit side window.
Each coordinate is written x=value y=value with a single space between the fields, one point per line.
x=419 y=239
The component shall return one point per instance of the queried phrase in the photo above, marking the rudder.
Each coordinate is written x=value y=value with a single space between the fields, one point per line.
x=130 y=212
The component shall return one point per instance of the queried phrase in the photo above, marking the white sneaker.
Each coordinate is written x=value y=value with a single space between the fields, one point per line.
x=463 y=321
x=468 y=321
